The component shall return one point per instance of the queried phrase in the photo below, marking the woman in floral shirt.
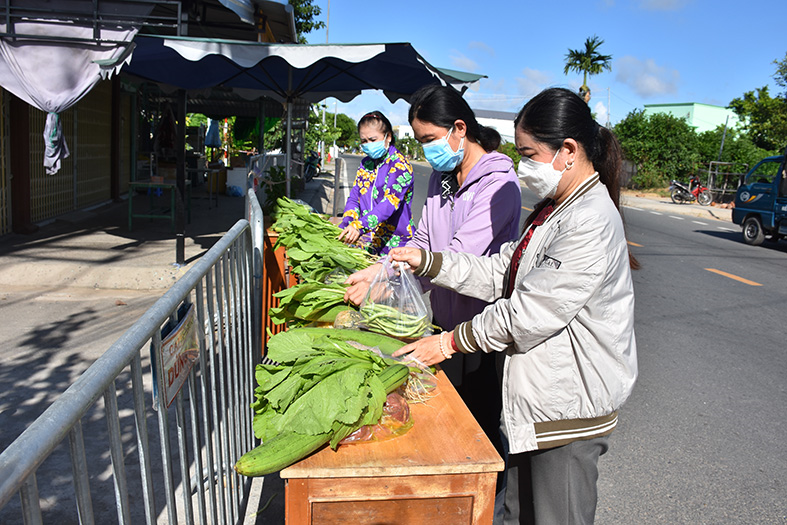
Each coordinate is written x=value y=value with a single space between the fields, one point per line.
x=378 y=212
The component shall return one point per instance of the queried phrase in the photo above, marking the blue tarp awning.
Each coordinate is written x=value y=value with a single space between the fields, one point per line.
x=289 y=71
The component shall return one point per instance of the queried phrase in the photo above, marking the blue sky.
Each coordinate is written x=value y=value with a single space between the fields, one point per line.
x=663 y=51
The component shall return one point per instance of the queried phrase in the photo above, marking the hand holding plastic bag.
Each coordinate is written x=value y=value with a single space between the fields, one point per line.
x=394 y=304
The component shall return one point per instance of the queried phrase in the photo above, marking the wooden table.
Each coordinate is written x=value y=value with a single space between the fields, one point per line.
x=442 y=471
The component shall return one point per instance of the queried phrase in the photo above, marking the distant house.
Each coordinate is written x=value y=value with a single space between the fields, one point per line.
x=403 y=131
x=704 y=117
x=502 y=121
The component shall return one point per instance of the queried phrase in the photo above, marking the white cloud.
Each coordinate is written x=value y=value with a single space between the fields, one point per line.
x=602 y=112
x=646 y=77
x=532 y=82
x=663 y=5
x=463 y=62
x=481 y=46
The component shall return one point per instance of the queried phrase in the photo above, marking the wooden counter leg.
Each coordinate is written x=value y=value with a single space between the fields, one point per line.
x=296 y=502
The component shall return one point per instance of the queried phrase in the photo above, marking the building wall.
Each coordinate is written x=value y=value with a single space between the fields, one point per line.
x=84 y=177
x=704 y=117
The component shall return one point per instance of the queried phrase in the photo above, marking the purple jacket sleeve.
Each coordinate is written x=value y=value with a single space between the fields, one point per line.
x=353 y=204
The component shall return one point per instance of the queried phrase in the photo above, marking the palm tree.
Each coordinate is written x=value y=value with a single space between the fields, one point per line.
x=588 y=62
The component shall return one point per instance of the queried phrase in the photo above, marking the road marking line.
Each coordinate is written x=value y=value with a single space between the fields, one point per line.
x=632 y=207
x=526 y=208
x=656 y=213
x=700 y=222
x=676 y=217
x=635 y=244
x=735 y=277
x=726 y=229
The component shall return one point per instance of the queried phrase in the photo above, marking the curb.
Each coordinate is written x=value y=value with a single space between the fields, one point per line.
x=691 y=210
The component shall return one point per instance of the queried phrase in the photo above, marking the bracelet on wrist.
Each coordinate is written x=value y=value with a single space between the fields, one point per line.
x=445 y=354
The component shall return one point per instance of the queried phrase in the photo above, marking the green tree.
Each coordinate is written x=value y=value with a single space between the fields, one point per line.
x=764 y=116
x=588 y=62
x=315 y=131
x=662 y=146
x=348 y=130
x=507 y=148
x=781 y=74
x=306 y=13
x=738 y=148
x=410 y=147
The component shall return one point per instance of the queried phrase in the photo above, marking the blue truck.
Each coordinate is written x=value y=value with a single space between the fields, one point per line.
x=761 y=201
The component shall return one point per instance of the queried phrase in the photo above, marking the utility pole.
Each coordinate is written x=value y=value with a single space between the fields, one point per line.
x=328 y=21
x=723 y=136
x=609 y=106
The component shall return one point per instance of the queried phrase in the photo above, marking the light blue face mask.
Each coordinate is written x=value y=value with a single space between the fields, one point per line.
x=375 y=149
x=441 y=156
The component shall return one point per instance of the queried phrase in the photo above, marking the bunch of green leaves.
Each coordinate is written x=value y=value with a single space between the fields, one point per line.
x=318 y=386
x=313 y=247
x=310 y=301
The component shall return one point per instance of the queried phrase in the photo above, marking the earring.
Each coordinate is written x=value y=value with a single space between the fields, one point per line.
x=569 y=164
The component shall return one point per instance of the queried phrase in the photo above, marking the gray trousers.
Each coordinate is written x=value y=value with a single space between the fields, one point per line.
x=551 y=487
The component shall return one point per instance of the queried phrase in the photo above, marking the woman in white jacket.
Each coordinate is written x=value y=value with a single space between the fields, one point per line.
x=562 y=317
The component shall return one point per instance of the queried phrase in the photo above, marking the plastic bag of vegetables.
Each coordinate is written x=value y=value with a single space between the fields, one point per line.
x=394 y=304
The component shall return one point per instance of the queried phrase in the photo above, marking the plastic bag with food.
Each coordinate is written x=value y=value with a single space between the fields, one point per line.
x=394 y=304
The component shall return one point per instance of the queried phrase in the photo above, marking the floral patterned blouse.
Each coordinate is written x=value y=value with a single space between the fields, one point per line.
x=379 y=202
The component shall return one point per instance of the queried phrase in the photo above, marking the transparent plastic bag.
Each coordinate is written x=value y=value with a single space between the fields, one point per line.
x=394 y=304
x=395 y=421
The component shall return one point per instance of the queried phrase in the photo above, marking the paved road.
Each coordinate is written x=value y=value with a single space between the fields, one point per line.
x=701 y=439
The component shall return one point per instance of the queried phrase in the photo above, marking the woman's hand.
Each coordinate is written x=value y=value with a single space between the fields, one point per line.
x=429 y=350
x=350 y=234
x=411 y=256
x=359 y=284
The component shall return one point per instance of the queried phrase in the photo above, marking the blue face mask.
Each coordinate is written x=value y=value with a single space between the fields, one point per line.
x=376 y=149
x=441 y=156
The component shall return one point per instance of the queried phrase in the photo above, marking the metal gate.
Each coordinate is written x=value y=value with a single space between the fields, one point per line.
x=181 y=466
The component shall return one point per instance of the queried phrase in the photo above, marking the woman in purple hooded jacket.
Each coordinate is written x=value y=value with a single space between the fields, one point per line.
x=473 y=205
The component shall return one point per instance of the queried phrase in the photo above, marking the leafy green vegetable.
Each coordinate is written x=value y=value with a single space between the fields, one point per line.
x=319 y=385
x=313 y=248
x=309 y=301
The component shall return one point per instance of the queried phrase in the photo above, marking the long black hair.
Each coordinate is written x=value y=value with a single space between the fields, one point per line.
x=442 y=106
x=380 y=120
x=556 y=114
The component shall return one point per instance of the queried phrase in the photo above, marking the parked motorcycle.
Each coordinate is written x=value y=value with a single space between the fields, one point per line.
x=311 y=166
x=681 y=193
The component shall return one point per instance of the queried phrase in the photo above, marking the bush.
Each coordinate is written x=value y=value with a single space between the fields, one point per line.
x=507 y=148
x=664 y=147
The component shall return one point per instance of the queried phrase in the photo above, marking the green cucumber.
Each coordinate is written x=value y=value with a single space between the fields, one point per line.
x=288 y=447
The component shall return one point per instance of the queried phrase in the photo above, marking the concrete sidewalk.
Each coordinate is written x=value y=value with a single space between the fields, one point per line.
x=665 y=205
x=94 y=249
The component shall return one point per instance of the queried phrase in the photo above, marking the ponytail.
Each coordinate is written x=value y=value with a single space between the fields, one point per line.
x=607 y=162
x=488 y=137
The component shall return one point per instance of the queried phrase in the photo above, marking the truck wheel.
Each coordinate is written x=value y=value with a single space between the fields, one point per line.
x=704 y=198
x=752 y=231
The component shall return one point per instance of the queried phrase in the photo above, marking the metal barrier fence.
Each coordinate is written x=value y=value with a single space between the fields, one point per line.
x=200 y=436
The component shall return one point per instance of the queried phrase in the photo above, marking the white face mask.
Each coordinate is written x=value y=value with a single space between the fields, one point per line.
x=541 y=177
